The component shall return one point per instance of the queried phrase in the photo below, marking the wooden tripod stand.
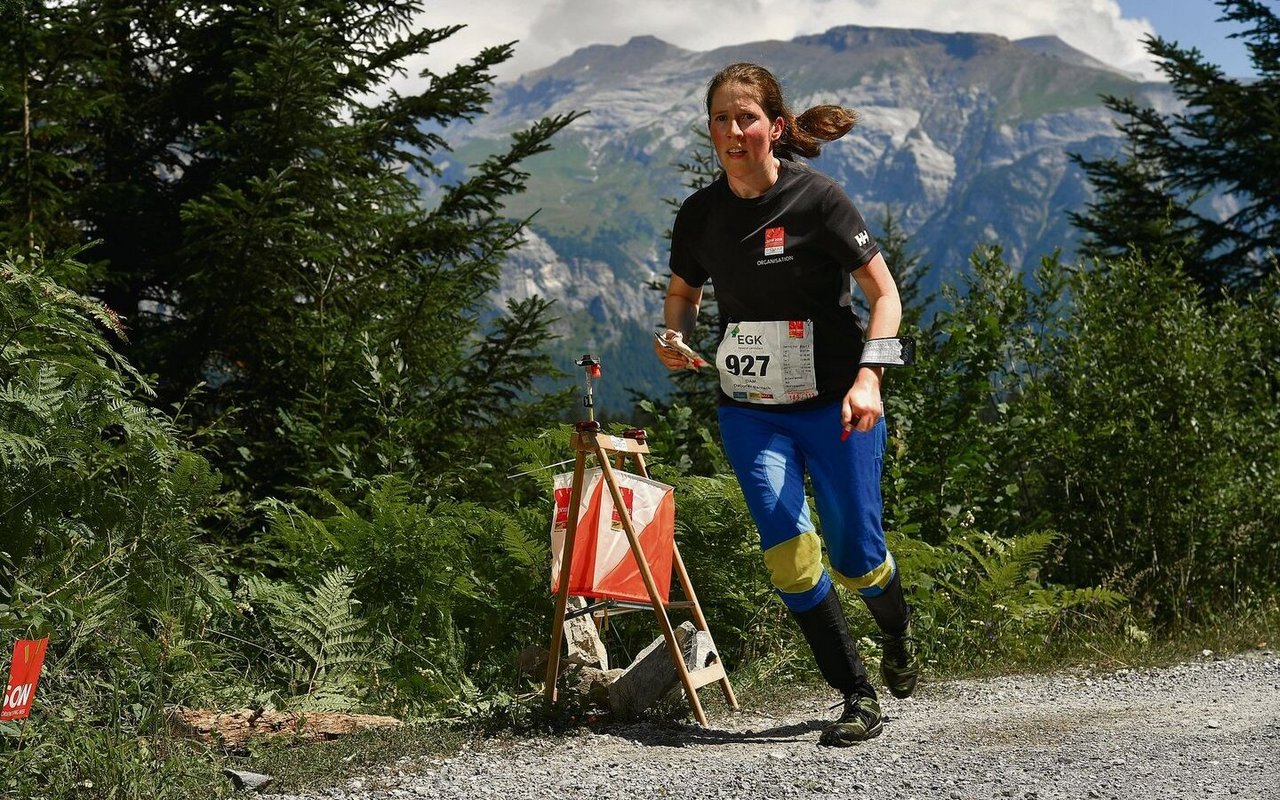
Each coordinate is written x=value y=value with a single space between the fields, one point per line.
x=612 y=452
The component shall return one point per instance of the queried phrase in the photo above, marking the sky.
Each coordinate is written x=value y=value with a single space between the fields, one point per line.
x=547 y=30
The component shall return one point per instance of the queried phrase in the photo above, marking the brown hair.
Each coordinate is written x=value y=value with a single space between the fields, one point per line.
x=802 y=135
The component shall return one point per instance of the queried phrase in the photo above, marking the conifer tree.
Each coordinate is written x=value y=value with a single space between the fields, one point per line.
x=1224 y=143
x=251 y=175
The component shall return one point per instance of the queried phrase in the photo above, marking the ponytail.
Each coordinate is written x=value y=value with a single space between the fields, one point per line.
x=804 y=135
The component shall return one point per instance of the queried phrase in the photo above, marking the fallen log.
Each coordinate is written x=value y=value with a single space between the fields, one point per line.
x=233 y=729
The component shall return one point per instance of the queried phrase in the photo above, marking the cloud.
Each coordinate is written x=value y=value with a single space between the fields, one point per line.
x=551 y=29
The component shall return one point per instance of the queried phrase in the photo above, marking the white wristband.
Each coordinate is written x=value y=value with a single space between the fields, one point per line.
x=894 y=351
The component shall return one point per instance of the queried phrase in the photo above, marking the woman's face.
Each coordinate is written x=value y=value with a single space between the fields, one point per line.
x=742 y=134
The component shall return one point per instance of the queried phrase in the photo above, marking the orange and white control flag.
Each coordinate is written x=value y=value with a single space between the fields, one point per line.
x=603 y=564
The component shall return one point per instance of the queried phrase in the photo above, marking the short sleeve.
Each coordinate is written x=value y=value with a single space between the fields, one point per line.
x=847 y=237
x=684 y=261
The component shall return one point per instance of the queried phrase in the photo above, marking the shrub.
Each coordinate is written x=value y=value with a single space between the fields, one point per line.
x=100 y=502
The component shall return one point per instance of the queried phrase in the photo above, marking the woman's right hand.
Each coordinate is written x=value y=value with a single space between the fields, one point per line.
x=670 y=357
x=679 y=313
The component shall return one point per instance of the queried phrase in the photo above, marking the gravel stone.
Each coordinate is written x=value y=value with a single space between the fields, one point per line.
x=1204 y=728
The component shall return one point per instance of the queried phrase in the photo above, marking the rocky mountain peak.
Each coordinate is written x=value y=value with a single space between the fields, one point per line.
x=602 y=64
x=956 y=45
x=1053 y=47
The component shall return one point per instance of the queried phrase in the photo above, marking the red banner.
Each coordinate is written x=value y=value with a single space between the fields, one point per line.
x=24 y=674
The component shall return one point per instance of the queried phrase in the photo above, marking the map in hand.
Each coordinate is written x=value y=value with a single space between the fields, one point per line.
x=676 y=342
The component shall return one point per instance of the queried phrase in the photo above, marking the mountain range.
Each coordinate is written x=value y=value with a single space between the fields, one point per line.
x=963 y=138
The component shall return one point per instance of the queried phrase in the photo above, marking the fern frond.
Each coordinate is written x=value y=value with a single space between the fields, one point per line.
x=18 y=451
x=1004 y=562
x=1093 y=596
x=323 y=630
x=529 y=551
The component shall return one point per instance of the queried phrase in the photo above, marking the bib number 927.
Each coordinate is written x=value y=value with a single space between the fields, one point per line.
x=747 y=365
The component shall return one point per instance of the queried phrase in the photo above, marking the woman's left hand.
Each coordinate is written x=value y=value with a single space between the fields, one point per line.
x=862 y=407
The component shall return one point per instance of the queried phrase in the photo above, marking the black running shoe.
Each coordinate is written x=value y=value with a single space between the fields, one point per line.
x=898 y=667
x=859 y=722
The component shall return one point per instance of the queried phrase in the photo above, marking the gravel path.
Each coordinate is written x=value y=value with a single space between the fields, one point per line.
x=1205 y=729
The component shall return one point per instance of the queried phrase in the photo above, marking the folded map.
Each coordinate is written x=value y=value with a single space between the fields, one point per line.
x=676 y=342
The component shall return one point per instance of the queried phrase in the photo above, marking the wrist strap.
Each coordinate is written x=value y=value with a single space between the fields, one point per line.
x=893 y=351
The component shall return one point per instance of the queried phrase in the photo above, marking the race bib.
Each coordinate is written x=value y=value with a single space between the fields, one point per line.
x=770 y=363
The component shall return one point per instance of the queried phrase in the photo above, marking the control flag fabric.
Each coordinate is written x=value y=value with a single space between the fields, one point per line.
x=603 y=564
x=24 y=675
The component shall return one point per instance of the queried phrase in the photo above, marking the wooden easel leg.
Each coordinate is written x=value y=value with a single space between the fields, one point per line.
x=566 y=562
x=659 y=608
x=700 y=621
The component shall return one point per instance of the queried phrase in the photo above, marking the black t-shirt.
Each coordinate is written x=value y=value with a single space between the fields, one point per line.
x=785 y=255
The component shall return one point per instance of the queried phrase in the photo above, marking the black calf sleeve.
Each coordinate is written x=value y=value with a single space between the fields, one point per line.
x=827 y=633
x=889 y=609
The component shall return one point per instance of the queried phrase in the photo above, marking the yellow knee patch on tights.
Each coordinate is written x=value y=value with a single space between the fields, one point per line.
x=878 y=577
x=795 y=566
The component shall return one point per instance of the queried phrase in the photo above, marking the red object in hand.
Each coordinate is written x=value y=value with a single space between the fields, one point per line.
x=844 y=435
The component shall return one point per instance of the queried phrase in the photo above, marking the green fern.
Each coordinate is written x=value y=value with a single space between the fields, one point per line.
x=1005 y=564
x=328 y=633
x=1090 y=597
x=331 y=653
x=532 y=551
x=993 y=592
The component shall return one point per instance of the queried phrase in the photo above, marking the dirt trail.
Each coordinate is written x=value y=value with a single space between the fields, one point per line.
x=1204 y=729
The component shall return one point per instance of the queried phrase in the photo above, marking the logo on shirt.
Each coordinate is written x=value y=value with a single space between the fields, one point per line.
x=862 y=238
x=773 y=241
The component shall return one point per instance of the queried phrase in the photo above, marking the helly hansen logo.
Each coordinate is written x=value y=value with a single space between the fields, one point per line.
x=862 y=238
x=773 y=241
